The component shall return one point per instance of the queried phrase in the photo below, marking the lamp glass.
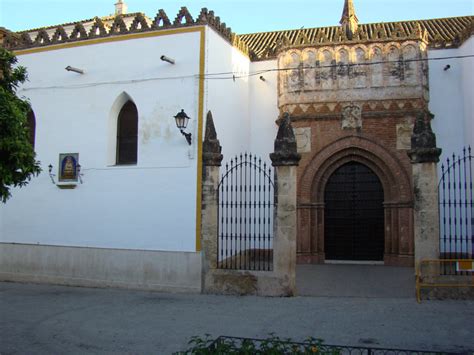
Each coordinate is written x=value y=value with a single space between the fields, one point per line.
x=182 y=120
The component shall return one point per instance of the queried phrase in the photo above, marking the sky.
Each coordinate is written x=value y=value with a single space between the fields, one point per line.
x=243 y=16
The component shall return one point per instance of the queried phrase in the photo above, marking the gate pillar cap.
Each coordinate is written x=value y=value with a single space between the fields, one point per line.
x=285 y=145
x=424 y=155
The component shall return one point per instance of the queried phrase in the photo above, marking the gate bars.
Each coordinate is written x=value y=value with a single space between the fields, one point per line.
x=456 y=207
x=245 y=215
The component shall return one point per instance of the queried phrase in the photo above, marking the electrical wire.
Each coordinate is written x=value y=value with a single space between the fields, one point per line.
x=340 y=65
x=233 y=75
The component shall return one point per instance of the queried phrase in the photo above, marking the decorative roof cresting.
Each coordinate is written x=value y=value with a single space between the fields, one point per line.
x=118 y=24
x=438 y=33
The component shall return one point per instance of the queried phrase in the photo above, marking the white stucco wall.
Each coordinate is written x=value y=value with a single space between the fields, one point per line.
x=451 y=98
x=263 y=107
x=228 y=99
x=150 y=205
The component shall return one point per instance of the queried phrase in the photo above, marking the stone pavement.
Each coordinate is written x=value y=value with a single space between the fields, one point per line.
x=45 y=319
x=349 y=280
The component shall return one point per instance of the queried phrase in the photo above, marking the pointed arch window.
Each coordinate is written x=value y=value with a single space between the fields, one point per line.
x=31 y=124
x=127 y=134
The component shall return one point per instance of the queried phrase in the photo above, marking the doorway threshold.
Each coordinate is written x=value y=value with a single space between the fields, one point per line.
x=355 y=262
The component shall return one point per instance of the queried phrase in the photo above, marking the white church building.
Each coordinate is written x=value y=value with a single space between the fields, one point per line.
x=118 y=202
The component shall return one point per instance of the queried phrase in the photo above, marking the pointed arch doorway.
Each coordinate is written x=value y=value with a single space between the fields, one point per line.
x=354 y=214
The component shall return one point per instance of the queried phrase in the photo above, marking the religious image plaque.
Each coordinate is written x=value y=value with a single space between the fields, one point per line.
x=68 y=171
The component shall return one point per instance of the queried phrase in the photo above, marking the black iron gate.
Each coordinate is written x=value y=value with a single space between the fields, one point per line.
x=354 y=214
x=456 y=207
x=246 y=204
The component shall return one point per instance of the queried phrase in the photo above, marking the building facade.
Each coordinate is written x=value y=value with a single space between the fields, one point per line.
x=131 y=216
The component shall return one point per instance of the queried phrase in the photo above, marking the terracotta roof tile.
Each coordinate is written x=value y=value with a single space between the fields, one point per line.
x=442 y=33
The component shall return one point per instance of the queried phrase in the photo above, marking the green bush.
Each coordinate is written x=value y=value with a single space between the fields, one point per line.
x=272 y=345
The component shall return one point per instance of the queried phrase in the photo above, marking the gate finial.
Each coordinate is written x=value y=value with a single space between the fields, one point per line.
x=423 y=140
x=285 y=144
x=211 y=149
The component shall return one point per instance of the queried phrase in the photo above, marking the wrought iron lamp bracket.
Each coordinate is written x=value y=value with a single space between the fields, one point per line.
x=187 y=136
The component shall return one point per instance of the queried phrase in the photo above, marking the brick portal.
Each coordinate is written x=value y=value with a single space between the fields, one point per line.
x=355 y=102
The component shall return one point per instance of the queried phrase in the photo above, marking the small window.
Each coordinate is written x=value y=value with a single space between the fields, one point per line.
x=31 y=123
x=127 y=132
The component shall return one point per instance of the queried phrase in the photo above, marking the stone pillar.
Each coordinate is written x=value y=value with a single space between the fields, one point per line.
x=211 y=160
x=424 y=155
x=285 y=160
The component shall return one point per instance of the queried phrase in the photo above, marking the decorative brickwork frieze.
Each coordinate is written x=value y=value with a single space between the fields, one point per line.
x=313 y=75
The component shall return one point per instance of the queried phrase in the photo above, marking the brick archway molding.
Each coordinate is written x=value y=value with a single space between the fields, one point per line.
x=398 y=199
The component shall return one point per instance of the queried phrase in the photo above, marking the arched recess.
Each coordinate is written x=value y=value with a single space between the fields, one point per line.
x=398 y=198
x=123 y=117
x=31 y=124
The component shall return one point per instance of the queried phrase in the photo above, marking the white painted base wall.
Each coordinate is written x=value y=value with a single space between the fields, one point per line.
x=95 y=267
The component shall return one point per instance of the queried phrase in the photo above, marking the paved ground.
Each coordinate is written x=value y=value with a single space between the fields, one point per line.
x=44 y=319
x=343 y=280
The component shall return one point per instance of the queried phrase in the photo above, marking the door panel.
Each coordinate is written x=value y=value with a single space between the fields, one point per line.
x=354 y=215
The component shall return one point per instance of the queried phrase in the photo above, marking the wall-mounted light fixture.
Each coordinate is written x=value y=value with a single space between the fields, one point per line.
x=75 y=70
x=167 y=59
x=182 y=120
x=447 y=67
x=51 y=175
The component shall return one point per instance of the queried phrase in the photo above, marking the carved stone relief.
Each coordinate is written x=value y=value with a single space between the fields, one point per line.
x=351 y=117
x=360 y=71
x=411 y=67
x=404 y=131
x=309 y=60
x=303 y=139
x=343 y=69
x=377 y=67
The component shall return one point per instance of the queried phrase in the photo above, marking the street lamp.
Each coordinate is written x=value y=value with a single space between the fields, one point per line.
x=182 y=120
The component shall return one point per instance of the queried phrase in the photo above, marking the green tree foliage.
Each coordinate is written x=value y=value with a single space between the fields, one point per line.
x=17 y=157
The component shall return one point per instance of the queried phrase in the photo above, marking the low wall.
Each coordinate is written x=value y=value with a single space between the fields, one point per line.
x=95 y=267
